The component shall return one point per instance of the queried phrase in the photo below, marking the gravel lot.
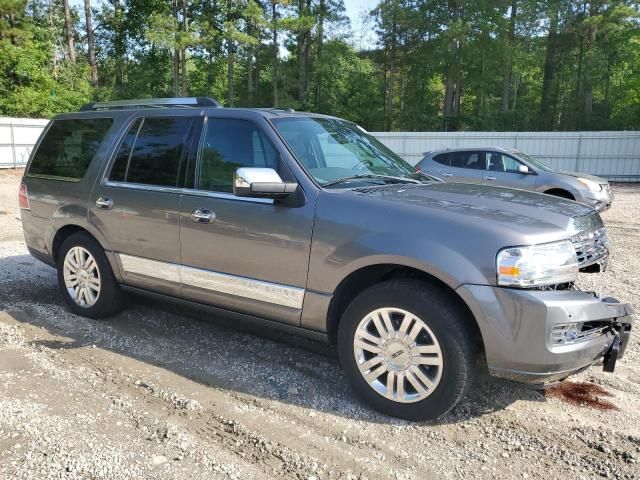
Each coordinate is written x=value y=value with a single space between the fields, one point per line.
x=161 y=393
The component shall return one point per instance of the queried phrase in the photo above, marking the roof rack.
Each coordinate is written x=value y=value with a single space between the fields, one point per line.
x=151 y=103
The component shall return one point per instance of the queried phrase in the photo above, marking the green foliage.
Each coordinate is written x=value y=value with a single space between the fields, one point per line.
x=496 y=68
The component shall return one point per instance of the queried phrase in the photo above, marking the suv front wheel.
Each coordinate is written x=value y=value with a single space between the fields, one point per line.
x=85 y=277
x=407 y=349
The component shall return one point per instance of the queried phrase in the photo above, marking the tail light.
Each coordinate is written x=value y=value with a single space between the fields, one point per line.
x=418 y=169
x=23 y=197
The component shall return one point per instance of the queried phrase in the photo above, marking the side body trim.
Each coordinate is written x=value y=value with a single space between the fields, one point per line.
x=260 y=290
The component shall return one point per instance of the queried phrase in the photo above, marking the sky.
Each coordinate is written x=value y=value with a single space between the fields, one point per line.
x=363 y=34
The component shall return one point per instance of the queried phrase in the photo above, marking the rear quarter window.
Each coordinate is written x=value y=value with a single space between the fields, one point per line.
x=68 y=147
x=442 y=159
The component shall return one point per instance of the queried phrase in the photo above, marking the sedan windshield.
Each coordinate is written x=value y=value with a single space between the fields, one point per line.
x=339 y=153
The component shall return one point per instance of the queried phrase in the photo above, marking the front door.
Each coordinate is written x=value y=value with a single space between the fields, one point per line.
x=242 y=254
x=502 y=171
x=137 y=204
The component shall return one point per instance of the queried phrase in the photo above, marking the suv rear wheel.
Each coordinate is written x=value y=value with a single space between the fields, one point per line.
x=85 y=278
x=407 y=349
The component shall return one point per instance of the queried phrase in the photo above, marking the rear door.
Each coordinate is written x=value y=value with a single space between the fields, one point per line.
x=136 y=205
x=251 y=255
x=502 y=171
x=465 y=167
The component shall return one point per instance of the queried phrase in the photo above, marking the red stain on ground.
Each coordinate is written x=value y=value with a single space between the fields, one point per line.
x=582 y=395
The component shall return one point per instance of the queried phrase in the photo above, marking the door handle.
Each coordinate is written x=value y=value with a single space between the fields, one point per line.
x=445 y=174
x=104 y=203
x=202 y=215
x=490 y=178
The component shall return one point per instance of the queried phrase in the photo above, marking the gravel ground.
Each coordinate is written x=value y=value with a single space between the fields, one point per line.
x=161 y=393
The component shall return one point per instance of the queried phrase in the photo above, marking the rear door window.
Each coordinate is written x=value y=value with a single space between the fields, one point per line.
x=470 y=160
x=152 y=151
x=68 y=147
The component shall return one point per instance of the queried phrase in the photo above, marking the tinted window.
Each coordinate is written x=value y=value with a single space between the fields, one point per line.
x=443 y=158
x=471 y=160
x=69 y=146
x=154 y=158
x=230 y=144
x=119 y=169
x=499 y=162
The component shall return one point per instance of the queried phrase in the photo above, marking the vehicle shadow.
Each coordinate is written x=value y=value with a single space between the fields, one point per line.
x=214 y=351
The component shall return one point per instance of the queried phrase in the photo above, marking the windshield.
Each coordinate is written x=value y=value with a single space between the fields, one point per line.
x=336 y=152
x=533 y=161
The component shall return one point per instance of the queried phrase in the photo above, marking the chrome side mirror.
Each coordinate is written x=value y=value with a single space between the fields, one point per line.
x=523 y=169
x=261 y=183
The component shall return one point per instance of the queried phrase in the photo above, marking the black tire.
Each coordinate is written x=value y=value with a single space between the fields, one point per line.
x=111 y=299
x=448 y=322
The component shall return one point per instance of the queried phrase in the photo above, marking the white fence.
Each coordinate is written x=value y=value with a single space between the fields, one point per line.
x=17 y=137
x=613 y=155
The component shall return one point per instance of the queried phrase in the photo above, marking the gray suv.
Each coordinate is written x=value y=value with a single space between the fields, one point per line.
x=503 y=167
x=308 y=224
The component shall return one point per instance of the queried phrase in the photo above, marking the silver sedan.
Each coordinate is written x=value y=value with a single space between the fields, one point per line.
x=512 y=168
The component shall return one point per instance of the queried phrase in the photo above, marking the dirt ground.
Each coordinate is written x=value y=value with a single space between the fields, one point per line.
x=157 y=392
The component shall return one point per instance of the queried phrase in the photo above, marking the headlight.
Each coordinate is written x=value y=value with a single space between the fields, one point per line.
x=590 y=184
x=536 y=265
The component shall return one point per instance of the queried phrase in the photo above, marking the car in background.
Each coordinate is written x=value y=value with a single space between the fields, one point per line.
x=504 y=167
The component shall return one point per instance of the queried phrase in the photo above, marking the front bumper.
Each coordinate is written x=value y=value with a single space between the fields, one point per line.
x=599 y=201
x=520 y=330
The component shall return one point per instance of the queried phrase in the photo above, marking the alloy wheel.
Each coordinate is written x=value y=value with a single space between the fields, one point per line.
x=398 y=355
x=81 y=277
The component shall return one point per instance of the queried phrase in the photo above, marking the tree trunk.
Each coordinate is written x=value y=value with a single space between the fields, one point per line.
x=516 y=84
x=210 y=71
x=391 y=74
x=249 y=66
x=590 y=35
x=119 y=43
x=547 y=100
x=230 y=56
x=68 y=27
x=508 y=57
x=183 y=53
x=453 y=84
x=274 y=34
x=303 y=50
x=319 y=51
x=91 y=44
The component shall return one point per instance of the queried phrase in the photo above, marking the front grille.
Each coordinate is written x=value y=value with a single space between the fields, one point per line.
x=591 y=240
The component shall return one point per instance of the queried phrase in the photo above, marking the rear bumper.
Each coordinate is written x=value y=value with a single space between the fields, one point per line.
x=522 y=330
x=36 y=230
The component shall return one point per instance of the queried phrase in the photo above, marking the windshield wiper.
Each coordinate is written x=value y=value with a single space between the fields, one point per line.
x=372 y=176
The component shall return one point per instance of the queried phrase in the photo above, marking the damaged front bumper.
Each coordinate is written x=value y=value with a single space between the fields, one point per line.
x=539 y=337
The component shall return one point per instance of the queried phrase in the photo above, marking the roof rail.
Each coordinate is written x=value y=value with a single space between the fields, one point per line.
x=151 y=103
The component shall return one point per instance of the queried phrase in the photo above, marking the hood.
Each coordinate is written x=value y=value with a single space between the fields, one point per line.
x=583 y=175
x=506 y=209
